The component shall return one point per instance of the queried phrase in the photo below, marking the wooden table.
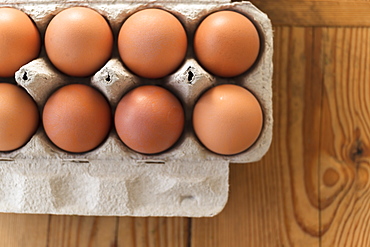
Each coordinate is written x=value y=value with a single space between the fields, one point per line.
x=311 y=189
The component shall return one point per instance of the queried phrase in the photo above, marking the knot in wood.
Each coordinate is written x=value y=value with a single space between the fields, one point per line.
x=357 y=151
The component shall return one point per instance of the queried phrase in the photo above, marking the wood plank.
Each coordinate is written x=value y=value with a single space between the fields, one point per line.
x=316 y=12
x=344 y=157
x=274 y=202
x=81 y=231
x=153 y=232
x=19 y=230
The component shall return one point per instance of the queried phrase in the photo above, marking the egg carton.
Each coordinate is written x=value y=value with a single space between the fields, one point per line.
x=186 y=180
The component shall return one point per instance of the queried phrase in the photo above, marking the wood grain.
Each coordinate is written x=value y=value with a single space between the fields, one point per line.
x=23 y=230
x=275 y=202
x=345 y=138
x=153 y=232
x=316 y=12
x=81 y=231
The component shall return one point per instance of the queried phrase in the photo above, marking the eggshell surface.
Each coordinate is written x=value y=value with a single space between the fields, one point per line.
x=226 y=43
x=227 y=119
x=77 y=118
x=19 y=41
x=19 y=117
x=149 y=119
x=152 y=43
x=78 y=41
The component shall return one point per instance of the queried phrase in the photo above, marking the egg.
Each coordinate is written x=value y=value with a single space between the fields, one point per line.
x=149 y=119
x=77 y=118
x=19 y=42
x=152 y=43
x=226 y=43
x=19 y=117
x=227 y=119
x=78 y=41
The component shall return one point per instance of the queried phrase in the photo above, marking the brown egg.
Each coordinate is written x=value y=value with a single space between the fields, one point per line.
x=227 y=119
x=149 y=119
x=19 y=117
x=152 y=43
x=19 y=43
x=77 y=118
x=78 y=41
x=226 y=43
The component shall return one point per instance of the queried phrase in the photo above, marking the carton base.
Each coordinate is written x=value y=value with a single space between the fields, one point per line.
x=143 y=189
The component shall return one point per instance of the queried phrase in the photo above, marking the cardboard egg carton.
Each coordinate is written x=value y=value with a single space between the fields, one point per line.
x=186 y=180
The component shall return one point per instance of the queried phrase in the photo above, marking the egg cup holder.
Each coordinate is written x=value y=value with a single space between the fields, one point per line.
x=186 y=180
